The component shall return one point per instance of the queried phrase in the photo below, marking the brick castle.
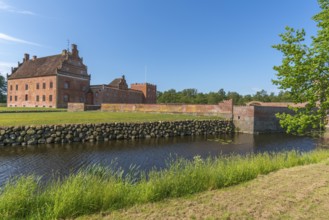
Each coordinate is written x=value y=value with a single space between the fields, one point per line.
x=54 y=81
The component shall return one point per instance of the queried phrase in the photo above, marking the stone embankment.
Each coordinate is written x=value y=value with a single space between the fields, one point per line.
x=31 y=135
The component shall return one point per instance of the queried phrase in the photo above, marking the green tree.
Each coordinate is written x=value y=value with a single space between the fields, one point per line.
x=304 y=72
x=3 y=89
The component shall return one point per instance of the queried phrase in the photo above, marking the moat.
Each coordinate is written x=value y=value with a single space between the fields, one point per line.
x=61 y=159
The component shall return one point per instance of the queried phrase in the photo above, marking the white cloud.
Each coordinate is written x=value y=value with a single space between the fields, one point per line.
x=16 y=40
x=9 y=8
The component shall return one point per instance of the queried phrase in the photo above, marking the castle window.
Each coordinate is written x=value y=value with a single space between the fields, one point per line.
x=66 y=85
x=16 y=87
x=11 y=87
x=51 y=85
x=84 y=88
x=26 y=97
x=66 y=98
x=38 y=85
x=44 y=85
x=15 y=98
x=43 y=98
x=26 y=86
x=11 y=98
x=50 y=98
x=37 y=98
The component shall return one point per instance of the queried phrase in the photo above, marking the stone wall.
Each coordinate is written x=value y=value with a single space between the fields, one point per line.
x=223 y=109
x=30 y=135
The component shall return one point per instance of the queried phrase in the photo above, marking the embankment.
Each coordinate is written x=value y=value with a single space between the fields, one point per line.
x=31 y=135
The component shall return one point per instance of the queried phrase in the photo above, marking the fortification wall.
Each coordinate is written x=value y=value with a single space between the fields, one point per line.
x=243 y=119
x=265 y=120
x=223 y=109
x=258 y=119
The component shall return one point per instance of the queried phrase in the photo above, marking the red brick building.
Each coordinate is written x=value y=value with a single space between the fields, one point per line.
x=118 y=92
x=54 y=81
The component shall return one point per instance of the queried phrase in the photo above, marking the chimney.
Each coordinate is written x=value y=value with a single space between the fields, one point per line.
x=26 y=57
x=34 y=57
x=75 y=52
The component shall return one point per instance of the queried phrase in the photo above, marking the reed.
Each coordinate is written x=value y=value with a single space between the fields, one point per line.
x=98 y=188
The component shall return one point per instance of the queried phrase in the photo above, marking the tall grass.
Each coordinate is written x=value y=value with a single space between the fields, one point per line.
x=104 y=189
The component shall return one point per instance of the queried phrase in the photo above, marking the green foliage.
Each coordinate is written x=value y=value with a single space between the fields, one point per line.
x=3 y=89
x=305 y=73
x=191 y=96
x=99 y=189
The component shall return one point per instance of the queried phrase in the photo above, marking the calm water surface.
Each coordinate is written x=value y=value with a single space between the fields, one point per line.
x=62 y=159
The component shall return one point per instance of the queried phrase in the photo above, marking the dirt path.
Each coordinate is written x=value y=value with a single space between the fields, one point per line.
x=295 y=193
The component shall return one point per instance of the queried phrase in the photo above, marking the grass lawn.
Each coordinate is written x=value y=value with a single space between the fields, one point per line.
x=30 y=109
x=14 y=119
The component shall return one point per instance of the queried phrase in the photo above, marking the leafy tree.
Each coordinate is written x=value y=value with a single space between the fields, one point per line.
x=304 y=72
x=3 y=89
x=236 y=97
x=192 y=96
x=262 y=96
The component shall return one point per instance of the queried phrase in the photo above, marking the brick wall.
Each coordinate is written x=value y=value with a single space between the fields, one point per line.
x=243 y=118
x=71 y=89
x=75 y=107
x=149 y=91
x=223 y=109
x=276 y=104
x=258 y=119
x=105 y=94
x=32 y=92
x=265 y=120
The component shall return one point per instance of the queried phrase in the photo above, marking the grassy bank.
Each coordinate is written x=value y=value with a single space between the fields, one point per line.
x=101 y=189
x=295 y=193
x=14 y=119
x=29 y=109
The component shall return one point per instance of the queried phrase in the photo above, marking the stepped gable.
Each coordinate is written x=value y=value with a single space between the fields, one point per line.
x=44 y=66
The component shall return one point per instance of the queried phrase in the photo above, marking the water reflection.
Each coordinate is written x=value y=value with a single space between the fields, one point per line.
x=61 y=159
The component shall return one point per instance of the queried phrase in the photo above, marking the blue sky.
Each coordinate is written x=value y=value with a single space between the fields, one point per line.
x=202 y=44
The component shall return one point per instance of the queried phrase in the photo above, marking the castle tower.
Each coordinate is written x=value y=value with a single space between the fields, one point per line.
x=149 y=91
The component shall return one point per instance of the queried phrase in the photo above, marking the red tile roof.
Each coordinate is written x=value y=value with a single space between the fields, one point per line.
x=116 y=82
x=44 y=66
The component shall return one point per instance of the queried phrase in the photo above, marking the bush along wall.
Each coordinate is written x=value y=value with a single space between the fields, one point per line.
x=47 y=134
